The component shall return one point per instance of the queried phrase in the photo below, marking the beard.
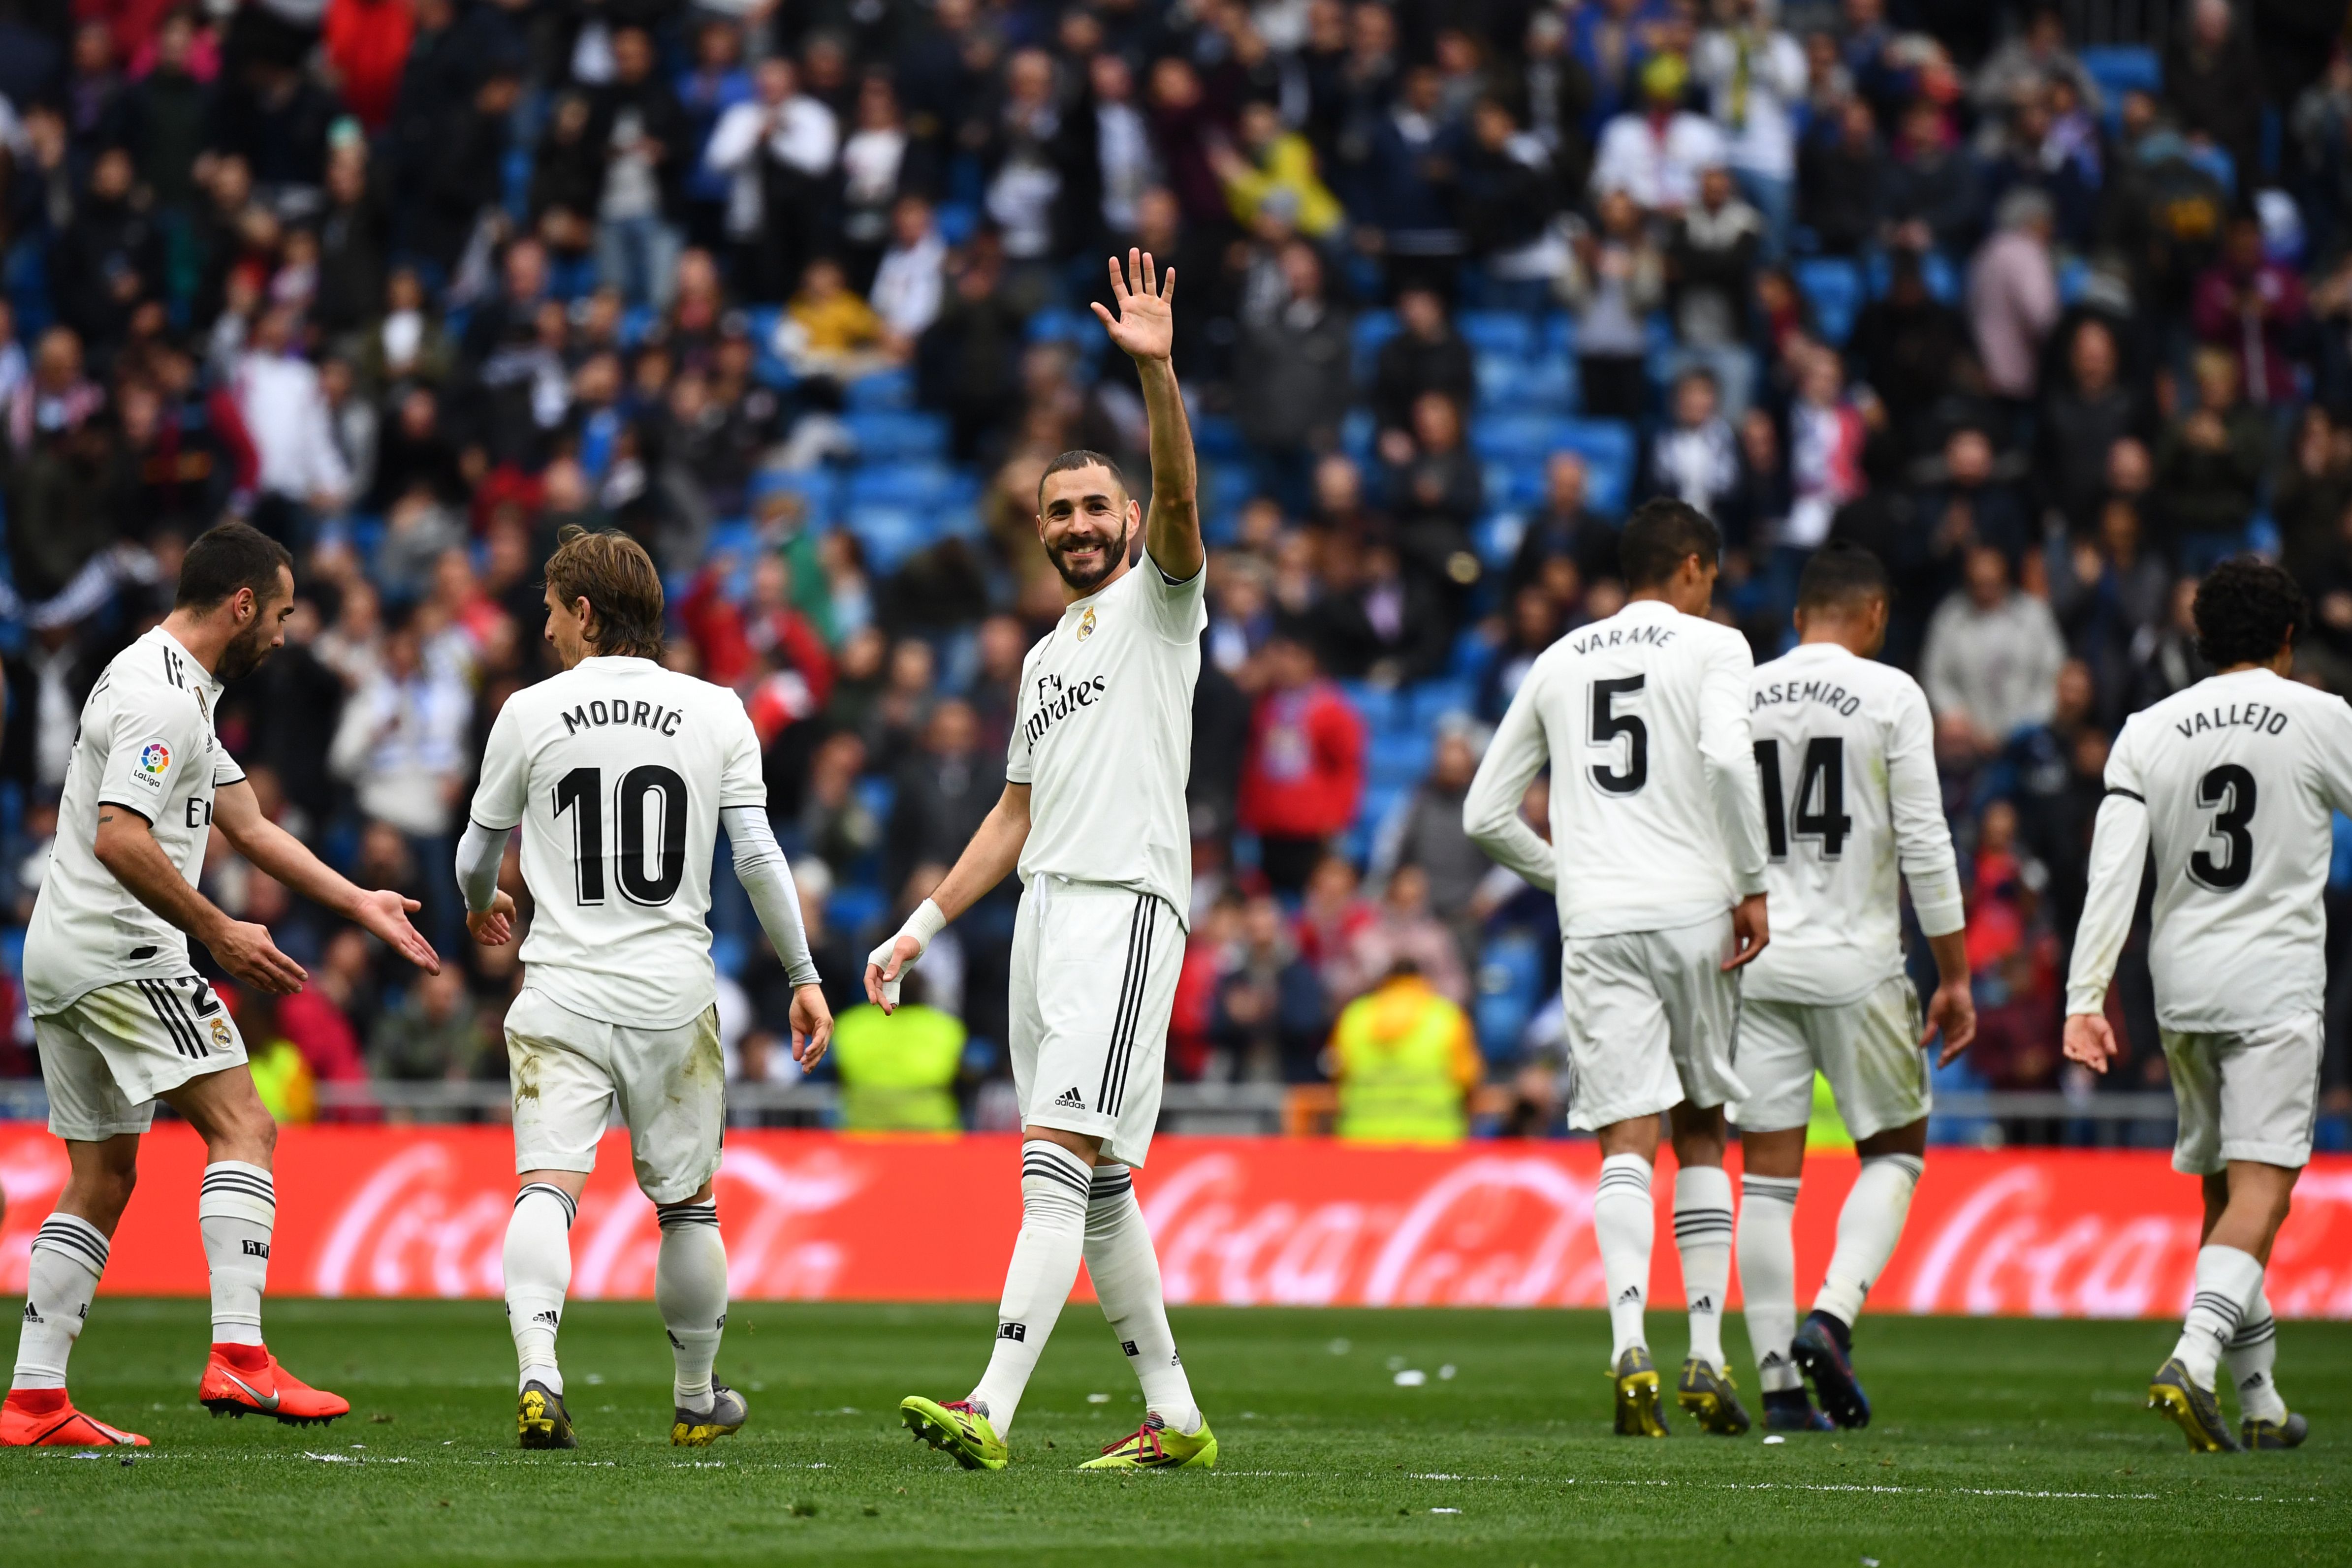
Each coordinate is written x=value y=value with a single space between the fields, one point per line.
x=1086 y=580
x=247 y=653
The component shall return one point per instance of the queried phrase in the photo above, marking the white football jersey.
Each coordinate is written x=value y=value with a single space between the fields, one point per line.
x=617 y=770
x=146 y=742
x=1103 y=737
x=1642 y=719
x=2233 y=783
x=1845 y=759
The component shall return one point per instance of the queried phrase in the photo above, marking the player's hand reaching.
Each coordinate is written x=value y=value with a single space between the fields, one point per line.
x=1145 y=325
x=882 y=972
x=493 y=927
x=812 y=1025
x=245 y=951
x=2090 y=1041
x=1751 y=931
x=1951 y=1012
x=384 y=914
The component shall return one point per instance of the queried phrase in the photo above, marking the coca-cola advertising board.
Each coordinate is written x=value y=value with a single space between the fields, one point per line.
x=419 y=1211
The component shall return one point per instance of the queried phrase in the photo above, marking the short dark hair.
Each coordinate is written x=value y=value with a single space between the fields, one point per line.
x=1660 y=534
x=2246 y=609
x=1075 y=458
x=1839 y=573
x=613 y=572
x=227 y=557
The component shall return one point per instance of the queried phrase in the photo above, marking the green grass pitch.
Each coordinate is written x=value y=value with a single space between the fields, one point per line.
x=1997 y=1441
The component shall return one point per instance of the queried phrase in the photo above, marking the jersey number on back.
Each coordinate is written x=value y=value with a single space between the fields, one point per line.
x=2229 y=789
x=582 y=793
x=1608 y=724
x=1820 y=811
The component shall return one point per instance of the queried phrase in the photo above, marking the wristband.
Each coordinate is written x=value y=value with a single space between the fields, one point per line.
x=924 y=924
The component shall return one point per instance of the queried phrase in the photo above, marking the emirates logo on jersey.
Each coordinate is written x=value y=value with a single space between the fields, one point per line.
x=1087 y=625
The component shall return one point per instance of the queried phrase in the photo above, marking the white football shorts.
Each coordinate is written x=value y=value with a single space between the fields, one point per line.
x=568 y=1071
x=106 y=1057
x=1868 y=1049
x=1093 y=983
x=2248 y=1094
x=1652 y=1020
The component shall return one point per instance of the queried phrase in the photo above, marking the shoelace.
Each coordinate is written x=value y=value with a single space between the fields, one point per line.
x=1145 y=1439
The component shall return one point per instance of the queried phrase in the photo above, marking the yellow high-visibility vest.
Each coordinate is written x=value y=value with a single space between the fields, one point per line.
x=1403 y=1061
x=896 y=1071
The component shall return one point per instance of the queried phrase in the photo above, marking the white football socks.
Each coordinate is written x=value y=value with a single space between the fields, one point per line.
x=1055 y=1185
x=690 y=1289
x=1625 y=1227
x=236 y=1211
x=1768 y=1276
x=2250 y=1356
x=1702 y=1236
x=60 y=1277
x=1869 y=1226
x=538 y=1273
x=1126 y=1272
x=2228 y=1281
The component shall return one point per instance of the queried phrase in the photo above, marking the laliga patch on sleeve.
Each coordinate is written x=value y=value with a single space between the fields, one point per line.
x=154 y=761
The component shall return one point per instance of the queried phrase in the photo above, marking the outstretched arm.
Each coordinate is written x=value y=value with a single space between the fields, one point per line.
x=1145 y=328
x=237 y=812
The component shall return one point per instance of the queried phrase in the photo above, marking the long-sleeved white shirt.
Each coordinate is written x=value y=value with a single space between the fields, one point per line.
x=293 y=435
x=1999 y=667
x=1753 y=80
x=2232 y=783
x=1845 y=757
x=806 y=136
x=1655 y=818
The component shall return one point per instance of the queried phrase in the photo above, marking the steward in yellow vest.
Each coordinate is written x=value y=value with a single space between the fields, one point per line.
x=897 y=1071
x=1405 y=1063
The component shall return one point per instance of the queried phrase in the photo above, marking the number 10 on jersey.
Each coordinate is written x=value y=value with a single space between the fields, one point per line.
x=581 y=793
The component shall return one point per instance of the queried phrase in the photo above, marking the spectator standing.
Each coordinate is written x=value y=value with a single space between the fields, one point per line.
x=1992 y=654
x=2013 y=295
x=1291 y=379
x=1754 y=75
x=1303 y=775
x=2254 y=308
x=1655 y=153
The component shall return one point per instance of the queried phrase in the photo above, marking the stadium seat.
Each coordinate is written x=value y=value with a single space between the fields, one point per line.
x=855 y=907
x=1356 y=432
x=884 y=434
x=1372 y=328
x=1399 y=757
x=1832 y=286
x=2119 y=69
x=1509 y=384
x=1055 y=324
x=1496 y=537
x=1943 y=277
x=1433 y=700
x=1510 y=981
x=957 y=221
x=1514 y=486
x=890 y=534
x=636 y=321
x=819 y=490
x=1216 y=435
x=1607 y=447
x=881 y=390
x=1505 y=332
x=923 y=484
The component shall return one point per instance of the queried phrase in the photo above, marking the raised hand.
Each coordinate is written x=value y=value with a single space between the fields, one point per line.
x=1145 y=325
x=385 y=914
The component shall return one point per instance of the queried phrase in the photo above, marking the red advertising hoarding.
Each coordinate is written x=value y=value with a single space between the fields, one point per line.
x=422 y=1211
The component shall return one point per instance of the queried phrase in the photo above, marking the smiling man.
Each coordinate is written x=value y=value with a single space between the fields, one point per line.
x=121 y=1016
x=1092 y=816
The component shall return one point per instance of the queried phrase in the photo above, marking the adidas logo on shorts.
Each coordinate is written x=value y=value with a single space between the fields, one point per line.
x=1070 y=1099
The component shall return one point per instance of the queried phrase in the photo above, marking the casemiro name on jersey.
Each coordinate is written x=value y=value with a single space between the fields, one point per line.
x=1829 y=694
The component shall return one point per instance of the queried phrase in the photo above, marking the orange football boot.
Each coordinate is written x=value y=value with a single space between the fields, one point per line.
x=46 y=1419
x=243 y=1380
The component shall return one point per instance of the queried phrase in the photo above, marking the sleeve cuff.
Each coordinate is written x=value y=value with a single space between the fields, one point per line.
x=144 y=814
x=2083 y=1000
x=1942 y=917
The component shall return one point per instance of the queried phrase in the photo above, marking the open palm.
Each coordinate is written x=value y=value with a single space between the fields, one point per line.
x=1145 y=325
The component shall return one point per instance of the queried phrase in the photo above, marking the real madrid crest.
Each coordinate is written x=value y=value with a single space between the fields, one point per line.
x=1087 y=625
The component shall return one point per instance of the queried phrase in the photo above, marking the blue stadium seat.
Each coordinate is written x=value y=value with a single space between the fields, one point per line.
x=1510 y=981
x=819 y=490
x=1942 y=275
x=1560 y=334
x=1607 y=447
x=1832 y=286
x=1507 y=332
x=1434 y=699
x=1399 y=757
x=887 y=389
x=1507 y=384
x=2119 y=69
x=884 y=434
x=1055 y=324
x=1216 y=435
x=890 y=534
x=855 y=907
x=922 y=484
x=1376 y=706
x=1514 y=486
x=1496 y=537
x=957 y=221
x=1372 y=328
x=1356 y=434
x=636 y=322
x=1506 y=436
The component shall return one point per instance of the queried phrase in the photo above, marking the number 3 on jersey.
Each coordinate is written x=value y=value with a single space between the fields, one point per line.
x=1819 y=815
x=2229 y=791
x=582 y=793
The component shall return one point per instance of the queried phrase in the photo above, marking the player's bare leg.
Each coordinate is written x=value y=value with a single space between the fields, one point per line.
x=537 y=1271
x=1702 y=1228
x=1772 y=1165
x=69 y=1255
x=238 y=1210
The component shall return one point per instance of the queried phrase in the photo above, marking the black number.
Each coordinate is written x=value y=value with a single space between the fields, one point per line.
x=583 y=790
x=2230 y=790
x=1608 y=725
x=1776 y=814
x=1821 y=797
x=635 y=784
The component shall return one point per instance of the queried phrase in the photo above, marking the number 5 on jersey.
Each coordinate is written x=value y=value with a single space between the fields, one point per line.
x=650 y=788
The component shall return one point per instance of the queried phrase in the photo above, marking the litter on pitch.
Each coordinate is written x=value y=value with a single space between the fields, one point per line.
x=1411 y=1378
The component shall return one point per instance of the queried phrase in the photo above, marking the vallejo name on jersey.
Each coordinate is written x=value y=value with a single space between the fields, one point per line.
x=1829 y=694
x=641 y=715
x=1056 y=700
x=2247 y=715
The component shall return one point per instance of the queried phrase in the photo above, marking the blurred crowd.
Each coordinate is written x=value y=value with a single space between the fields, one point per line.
x=795 y=291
